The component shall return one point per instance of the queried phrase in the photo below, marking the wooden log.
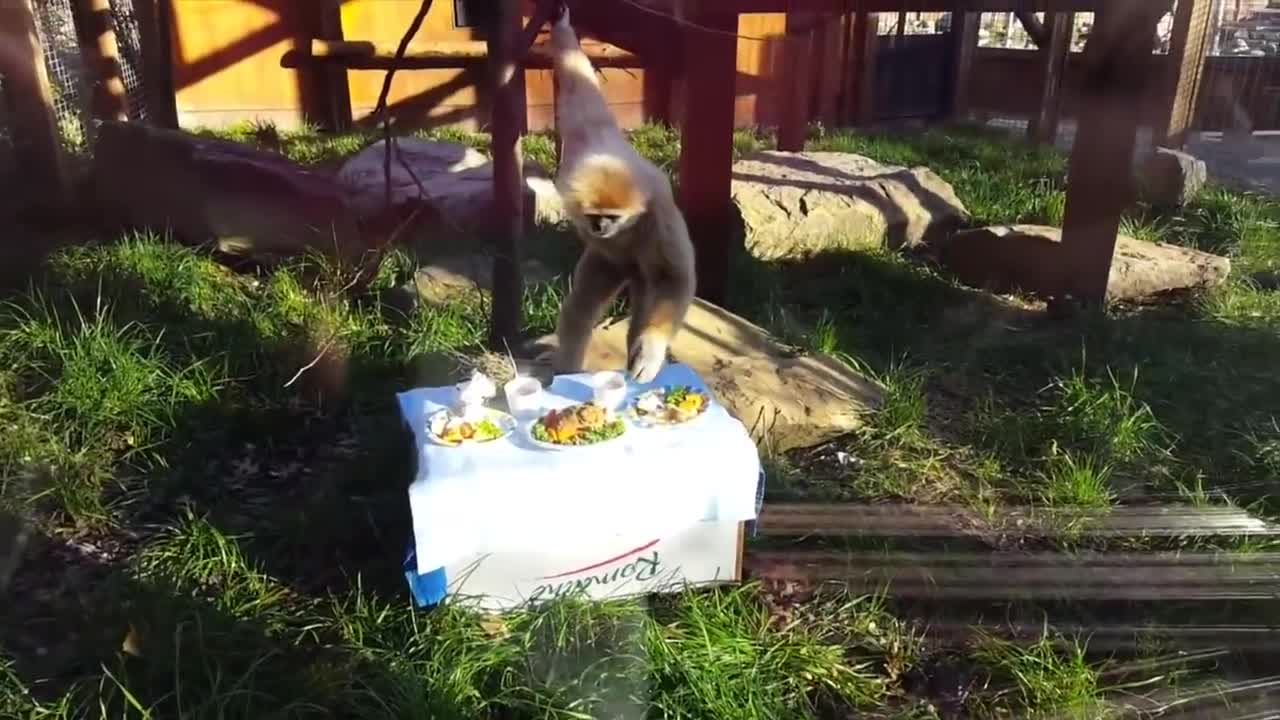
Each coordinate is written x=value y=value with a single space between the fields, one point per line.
x=1100 y=176
x=1188 y=46
x=1052 y=56
x=37 y=146
x=964 y=29
x=508 y=111
x=706 y=149
x=101 y=53
x=799 y=52
x=364 y=55
x=157 y=70
x=335 y=90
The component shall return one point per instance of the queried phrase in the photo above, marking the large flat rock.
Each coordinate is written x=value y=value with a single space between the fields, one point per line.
x=456 y=183
x=794 y=204
x=244 y=200
x=1029 y=259
x=787 y=401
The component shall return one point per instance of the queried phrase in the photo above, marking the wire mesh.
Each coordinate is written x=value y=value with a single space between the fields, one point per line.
x=56 y=26
x=129 y=41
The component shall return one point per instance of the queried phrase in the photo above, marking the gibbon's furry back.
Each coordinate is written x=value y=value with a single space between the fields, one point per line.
x=623 y=209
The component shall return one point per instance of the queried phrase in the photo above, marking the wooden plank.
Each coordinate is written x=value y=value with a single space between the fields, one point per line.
x=1052 y=56
x=1100 y=174
x=37 y=147
x=364 y=55
x=1022 y=576
x=508 y=116
x=799 y=64
x=1188 y=48
x=706 y=142
x=1035 y=29
x=937 y=521
x=860 y=109
x=964 y=27
x=157 y=70
x=97 y=34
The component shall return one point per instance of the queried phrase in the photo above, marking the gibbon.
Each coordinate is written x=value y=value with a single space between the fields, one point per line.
x=623 y=209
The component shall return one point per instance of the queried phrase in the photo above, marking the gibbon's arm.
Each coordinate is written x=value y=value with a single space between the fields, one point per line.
x=663 y=297
x=583 y=111
x=595 y=283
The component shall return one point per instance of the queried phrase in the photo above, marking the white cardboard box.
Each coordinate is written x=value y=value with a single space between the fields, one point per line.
x=708 y=553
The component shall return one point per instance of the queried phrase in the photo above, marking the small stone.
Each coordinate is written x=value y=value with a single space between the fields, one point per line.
x=1172 y=178
x=794 y=204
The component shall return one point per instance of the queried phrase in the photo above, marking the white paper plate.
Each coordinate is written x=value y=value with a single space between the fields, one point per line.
x=554 y=446
x=505 y=422
x=650 y=421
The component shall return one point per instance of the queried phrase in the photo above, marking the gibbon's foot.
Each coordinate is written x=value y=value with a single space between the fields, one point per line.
x=647 y=357
x=560 y=15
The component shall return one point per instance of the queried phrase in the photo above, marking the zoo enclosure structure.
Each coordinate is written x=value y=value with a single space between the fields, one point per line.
x=696 y=41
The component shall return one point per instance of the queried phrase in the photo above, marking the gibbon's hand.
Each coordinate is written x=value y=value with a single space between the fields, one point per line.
x=647 y=356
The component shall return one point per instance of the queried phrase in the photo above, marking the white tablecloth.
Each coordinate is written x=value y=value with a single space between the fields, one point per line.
x=510 y=494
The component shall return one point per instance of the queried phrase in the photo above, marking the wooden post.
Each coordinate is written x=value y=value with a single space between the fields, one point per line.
x=507 y=117
x=102 y=57
x=37 y=147
x=706 y=137
x=1188 y=46
x=964 y=30
x=862 y=74
x=157 y=63
x=798 y=76
x=1100 y=176
x=335 y=92
x=1043 y=127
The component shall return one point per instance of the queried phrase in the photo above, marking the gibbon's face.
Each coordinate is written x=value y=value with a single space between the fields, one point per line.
x=605 y=200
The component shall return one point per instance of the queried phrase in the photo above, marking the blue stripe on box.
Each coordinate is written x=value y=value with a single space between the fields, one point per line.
x=427 y=588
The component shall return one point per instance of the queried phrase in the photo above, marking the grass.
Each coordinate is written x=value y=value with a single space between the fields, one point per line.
x=227 y=446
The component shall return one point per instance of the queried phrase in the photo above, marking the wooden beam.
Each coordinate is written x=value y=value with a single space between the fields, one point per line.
x=37 y=145
x=706 y=146
x=507 y=119
x=861 y=94
x=798 y=53
x=964 y=29
x=1035 y=29
x=1052 y=57
x=101 y=53
x=1100 y=176
x=1189 y=44
x=363 y=55
x=332 y=78
x=157 y=67
x=895 y=6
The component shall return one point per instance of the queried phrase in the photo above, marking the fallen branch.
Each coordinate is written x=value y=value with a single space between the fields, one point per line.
x=380 y=110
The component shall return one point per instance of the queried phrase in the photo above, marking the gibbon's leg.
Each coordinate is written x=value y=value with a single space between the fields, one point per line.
x=658 y=315
x=596 y=282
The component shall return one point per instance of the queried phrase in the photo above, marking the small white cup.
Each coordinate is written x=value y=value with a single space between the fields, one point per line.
x=524 y=396
x=610 y=389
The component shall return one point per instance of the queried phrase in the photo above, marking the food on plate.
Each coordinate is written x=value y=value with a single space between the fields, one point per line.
x=670 y=405
x=452 y=428
x=582 y=424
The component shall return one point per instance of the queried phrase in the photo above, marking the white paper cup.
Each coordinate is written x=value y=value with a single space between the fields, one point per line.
x=609 y=388
x=524 y=396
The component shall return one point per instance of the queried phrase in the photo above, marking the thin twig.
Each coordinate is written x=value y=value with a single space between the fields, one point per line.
x=319 y=356
x=380 y=110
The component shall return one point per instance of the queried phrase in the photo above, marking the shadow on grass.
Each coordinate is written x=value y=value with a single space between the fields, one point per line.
x=1192 y=381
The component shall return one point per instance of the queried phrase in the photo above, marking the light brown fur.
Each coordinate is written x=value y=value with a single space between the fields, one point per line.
x=622 y=208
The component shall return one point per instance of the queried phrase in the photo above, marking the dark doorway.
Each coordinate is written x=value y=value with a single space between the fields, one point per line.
x=913 y=66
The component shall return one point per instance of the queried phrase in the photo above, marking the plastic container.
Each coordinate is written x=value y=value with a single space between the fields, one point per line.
x=524 y=396
x=609 y=389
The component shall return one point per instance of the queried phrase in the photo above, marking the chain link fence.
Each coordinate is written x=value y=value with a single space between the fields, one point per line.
x=71 y=87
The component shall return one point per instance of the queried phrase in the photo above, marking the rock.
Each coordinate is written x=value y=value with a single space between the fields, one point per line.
x=1172 y=178
x=786 y=400
x=1029 y=258
x=452 y=276
x=457 y=181
x=246 y=200
x=793 y=204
